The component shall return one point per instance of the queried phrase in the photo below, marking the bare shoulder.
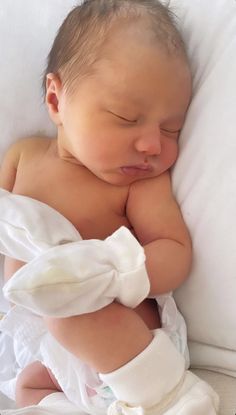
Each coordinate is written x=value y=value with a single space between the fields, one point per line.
x=153 y=211
x=26 y=146
x=31 y=144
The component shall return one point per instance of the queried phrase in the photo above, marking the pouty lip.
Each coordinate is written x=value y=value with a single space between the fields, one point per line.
x=141 y=166
x=136 y=169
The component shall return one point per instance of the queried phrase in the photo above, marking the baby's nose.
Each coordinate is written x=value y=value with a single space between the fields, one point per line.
x=149 y=142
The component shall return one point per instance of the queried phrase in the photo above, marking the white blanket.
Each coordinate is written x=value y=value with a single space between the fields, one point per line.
x=54 y=404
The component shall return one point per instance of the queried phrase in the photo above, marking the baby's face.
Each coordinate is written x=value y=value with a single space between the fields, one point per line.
x=123 y=122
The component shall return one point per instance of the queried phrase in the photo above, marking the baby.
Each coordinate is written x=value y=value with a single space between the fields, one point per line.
x=117 y=87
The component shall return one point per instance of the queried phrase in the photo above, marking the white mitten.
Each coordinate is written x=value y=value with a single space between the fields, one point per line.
x=29 y=227
x=82 y=277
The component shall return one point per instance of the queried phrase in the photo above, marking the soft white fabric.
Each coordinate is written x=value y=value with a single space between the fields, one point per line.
x=9 y=366
x=192 y=397
x=28 y=227
x=160 y=365
x=224 y=385
x=24 y=339
x=4 y=305
x=74 y=277
x=176 y=392
x=54 y=404
x=204 y=180
x=82 y=277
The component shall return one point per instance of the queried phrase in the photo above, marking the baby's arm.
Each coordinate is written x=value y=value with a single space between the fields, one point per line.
x=159 y=227
x=26 y=147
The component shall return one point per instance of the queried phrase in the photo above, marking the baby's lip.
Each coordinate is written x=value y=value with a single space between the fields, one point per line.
x=137 y=169
x=142 y=166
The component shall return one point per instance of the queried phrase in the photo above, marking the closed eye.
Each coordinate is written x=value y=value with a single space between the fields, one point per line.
x=123 y=118
x=171 y=133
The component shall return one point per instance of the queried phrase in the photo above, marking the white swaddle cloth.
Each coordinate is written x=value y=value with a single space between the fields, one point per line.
x=95 y=272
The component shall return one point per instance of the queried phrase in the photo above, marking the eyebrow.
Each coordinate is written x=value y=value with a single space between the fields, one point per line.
x=114 y=94
x=124 y=96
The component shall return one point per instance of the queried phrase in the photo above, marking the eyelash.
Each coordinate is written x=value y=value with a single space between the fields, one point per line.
x=124 y=119
x=170 y=132
x=134 y=121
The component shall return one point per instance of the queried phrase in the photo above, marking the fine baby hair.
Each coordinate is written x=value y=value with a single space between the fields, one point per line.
x=80 y=41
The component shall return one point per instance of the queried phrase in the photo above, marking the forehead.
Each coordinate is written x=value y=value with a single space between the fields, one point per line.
x=142 y=71
x=134 y=67
x=134 y=44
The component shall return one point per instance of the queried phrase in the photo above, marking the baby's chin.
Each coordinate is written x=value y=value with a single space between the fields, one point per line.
x=119 y=179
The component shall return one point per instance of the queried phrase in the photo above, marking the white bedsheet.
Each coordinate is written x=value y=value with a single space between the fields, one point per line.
x=54 y=404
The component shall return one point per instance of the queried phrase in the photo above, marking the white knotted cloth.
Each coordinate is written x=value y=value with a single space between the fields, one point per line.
x=66 y=275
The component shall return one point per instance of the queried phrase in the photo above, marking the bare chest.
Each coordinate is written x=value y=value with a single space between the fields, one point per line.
x=94 y=207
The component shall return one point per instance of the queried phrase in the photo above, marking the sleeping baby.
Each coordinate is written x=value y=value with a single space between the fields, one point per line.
x=117 y=87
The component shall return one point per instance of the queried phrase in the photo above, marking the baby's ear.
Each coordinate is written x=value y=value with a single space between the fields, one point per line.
x=52 y=96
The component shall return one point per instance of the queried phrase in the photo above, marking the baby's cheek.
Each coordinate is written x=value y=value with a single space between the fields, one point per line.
x=170 y=153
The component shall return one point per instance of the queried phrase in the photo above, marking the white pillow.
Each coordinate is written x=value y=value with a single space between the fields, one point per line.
x=27 y=30
x=204 y=181
x=204 y=178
